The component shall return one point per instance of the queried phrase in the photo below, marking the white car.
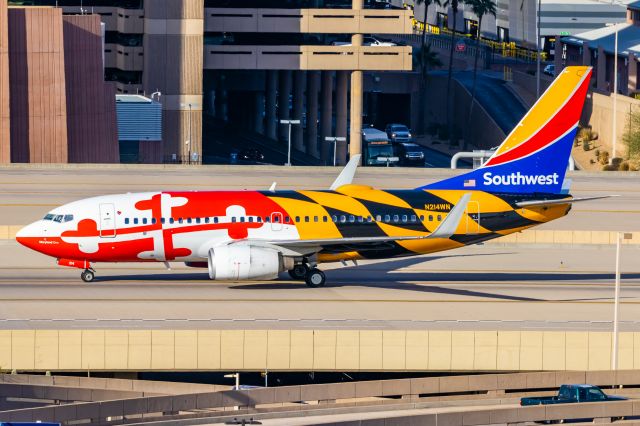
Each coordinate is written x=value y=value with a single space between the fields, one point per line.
x=366 y=41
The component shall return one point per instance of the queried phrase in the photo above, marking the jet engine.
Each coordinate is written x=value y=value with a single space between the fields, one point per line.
x=244 y=261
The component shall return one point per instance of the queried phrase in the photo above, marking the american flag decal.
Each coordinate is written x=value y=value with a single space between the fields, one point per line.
x=469 y=182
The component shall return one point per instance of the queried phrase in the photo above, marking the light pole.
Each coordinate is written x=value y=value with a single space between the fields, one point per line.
x=335 y=140
x=616 y=300
x=289 y=122
x=614 y=129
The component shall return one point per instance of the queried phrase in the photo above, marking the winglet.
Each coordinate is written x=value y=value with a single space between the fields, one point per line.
x=450 y=223
x=346 y=175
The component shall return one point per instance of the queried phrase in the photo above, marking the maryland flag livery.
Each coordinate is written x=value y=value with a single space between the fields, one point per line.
x=240 y=235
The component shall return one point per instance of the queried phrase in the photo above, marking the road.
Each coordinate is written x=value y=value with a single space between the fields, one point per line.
x=480 y=287
x=27 y=194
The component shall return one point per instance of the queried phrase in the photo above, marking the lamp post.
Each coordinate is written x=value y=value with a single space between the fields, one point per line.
x=289 y=122
x=335 y=140
x=538 y=51
x=616 y=300
x=614 y=129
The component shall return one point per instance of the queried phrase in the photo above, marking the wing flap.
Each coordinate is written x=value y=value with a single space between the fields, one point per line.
x=535 y=203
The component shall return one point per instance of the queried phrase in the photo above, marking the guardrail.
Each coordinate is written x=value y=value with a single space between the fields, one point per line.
x=254 y=400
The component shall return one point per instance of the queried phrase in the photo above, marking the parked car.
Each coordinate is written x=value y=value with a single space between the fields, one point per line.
x=251 y=154
x=398 y=133
x=550 y=70
x=410 y=154
x=572 y=393
x=367 y=41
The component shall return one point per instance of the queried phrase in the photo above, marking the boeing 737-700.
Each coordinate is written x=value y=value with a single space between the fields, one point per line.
x=240 y=235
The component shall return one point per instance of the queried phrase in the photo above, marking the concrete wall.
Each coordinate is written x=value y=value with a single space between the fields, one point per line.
x=480 y=130
x=38 y=97
x=5 y=144
x=91 y=109
x=313 y=350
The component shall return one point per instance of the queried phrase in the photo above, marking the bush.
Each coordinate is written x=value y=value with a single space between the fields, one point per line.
x=586 y=134
x=624 y=167
x=609 y=168
x=585 y=145
x=603 y=158
x=616 y=161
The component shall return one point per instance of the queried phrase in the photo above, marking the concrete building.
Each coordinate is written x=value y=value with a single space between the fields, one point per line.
x=516 y=20
x=248 y=65
x=57 y=108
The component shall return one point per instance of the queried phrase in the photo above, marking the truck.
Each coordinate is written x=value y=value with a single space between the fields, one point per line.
x=377 y=150
x=572 y=393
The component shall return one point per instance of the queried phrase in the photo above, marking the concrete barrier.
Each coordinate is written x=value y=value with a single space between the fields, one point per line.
x=292 y=350
x=403 y=389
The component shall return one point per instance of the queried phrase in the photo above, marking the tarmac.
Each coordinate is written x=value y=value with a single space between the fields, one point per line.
x=484 y=287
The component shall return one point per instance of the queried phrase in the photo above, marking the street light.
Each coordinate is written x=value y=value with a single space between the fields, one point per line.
x=538 y=50
x=616 y=300
x=188 y=141
x=289 y=122
x=615 y=93
x=335 y=140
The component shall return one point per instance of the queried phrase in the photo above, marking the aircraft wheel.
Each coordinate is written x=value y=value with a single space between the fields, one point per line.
x=87 y=276
x=315 y=278
x=299 y=272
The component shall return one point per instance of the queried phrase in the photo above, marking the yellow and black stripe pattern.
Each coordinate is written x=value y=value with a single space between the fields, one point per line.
x=362 y=211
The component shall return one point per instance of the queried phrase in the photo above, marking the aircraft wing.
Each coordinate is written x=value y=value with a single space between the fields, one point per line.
x=534 y=203
x=445 y=230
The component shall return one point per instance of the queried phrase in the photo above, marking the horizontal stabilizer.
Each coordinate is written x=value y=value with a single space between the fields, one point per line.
x=534 y=203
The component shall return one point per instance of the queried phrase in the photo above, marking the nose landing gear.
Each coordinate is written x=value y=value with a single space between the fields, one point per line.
x=87 y=275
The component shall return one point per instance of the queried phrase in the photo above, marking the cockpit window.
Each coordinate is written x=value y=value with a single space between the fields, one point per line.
x=59 y=218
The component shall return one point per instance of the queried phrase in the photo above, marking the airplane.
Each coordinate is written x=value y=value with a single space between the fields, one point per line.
x=256 y=235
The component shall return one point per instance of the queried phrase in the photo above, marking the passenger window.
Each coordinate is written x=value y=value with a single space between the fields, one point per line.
x=378 y=218
x=215 y=219
x=413 y=218
x=325 y=219
x=179 y=220
x=297 y=218
x=259 y=219
x=126 y=221
x=306 y=218
x=405 y=218
x=387 y=218
x=153 y=220
x=250 y=219
x=430 y=218
x=360 y=219
x=369 y=219
x=188 y=220
x=343 y=218
x=206 y=220
x=335 y=219
x=233 y=219
x=315 y=218
x=242 y=219
x=286 y=219
x=267 y=219
x=171 y=220
x=276 y=219
x=421 y=217
x=439 y=218
x=197 y=220
x=396 y=218
x=135 y=220
x=144 y=220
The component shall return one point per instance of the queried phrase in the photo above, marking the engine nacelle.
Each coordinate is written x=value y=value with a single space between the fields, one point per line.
x=243 y=261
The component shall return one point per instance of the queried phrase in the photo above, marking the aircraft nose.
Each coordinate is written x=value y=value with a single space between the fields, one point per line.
x=26 y=235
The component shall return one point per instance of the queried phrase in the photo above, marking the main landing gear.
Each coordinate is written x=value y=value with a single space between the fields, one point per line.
x=88 y=275
x=313 y=277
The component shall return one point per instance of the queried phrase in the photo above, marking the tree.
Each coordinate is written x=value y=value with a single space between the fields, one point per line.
x=480 y=8
x=631 y=137
x=455 y=5
x=426 y=3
